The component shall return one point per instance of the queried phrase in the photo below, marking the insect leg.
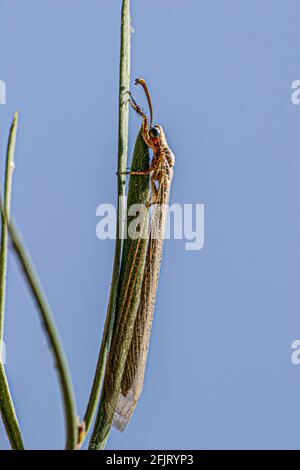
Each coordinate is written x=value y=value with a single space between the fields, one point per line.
x=134 y=172
x=139 y=111
x=135 y=106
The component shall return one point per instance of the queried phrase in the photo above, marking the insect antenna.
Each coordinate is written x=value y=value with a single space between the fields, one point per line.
x=141 y=81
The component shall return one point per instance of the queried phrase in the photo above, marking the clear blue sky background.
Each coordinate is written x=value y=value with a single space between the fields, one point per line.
x=219 y=374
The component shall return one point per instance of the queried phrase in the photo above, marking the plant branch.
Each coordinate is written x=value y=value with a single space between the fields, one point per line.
x=6 y=404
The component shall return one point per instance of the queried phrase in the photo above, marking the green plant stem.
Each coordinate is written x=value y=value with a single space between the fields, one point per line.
x=6 y=404
x=124 y=86
x=9 y=168
x=50 y=332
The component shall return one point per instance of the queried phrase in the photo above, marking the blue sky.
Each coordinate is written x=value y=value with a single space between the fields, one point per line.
x=219 y=374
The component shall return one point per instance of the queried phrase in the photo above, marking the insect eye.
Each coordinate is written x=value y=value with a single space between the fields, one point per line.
x=154 y=132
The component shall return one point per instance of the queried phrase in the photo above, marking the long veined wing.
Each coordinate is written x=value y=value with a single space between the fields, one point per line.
x=131 y=277
x=133 y=377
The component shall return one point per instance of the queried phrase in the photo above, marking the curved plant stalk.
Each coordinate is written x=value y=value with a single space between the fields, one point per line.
x=50 y=332
x=6 y=404
x=124 y=85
